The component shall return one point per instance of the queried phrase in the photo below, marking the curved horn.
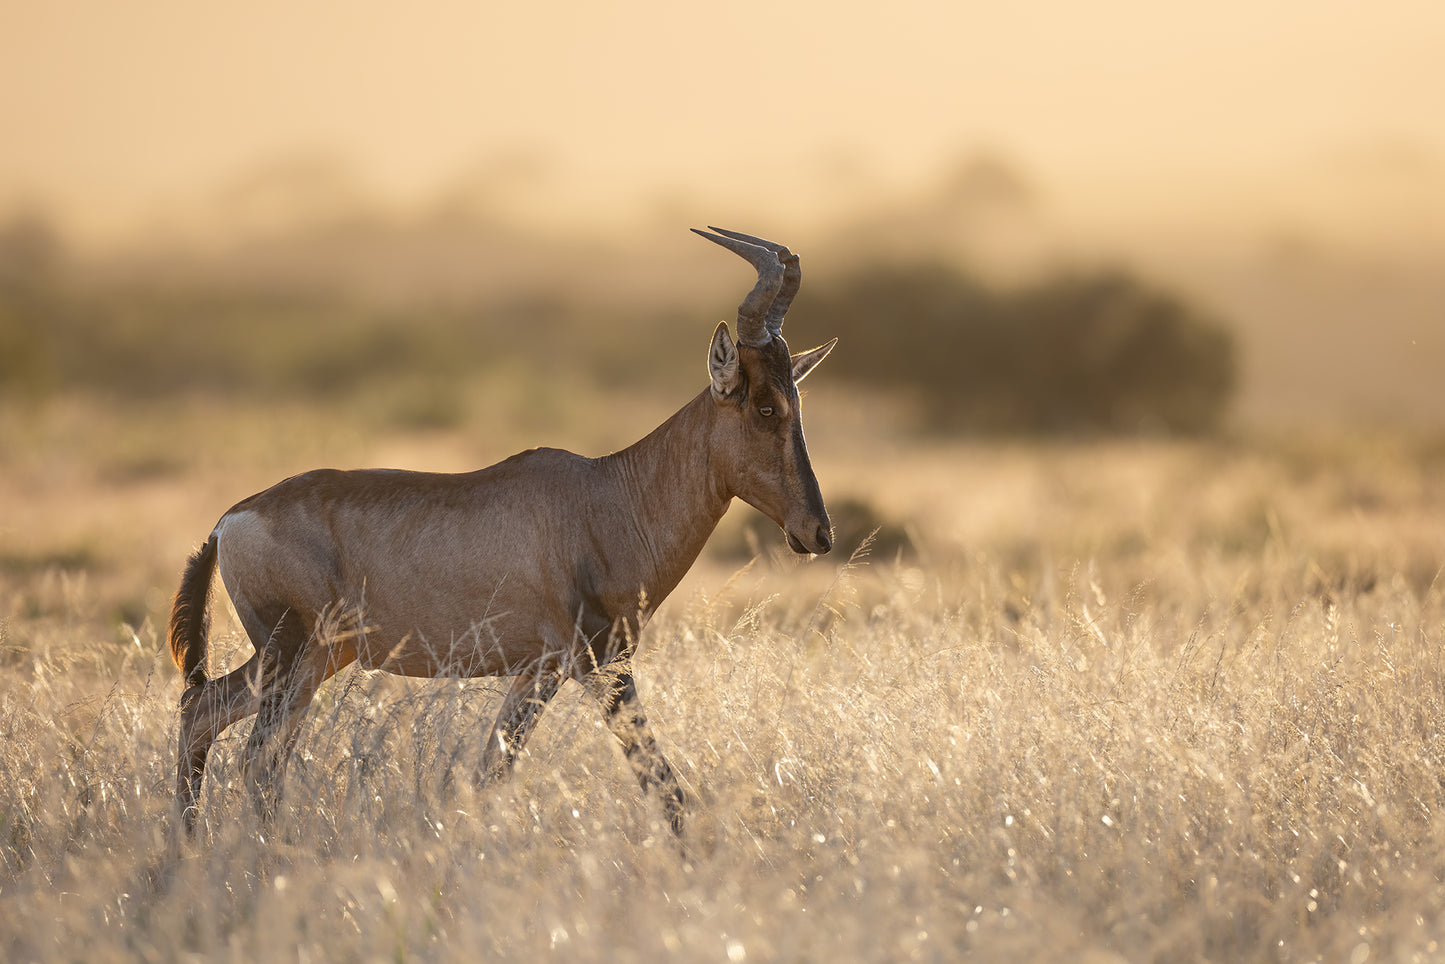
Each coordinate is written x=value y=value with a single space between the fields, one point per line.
x=792 y=276
x=754 y=314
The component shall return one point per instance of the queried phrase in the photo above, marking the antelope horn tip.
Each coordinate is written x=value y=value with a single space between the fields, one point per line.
x=760 y=316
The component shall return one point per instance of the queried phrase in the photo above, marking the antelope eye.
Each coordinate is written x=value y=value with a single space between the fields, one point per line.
x=765 y=410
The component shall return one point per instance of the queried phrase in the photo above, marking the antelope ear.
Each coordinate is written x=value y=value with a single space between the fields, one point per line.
x=722 y=362
x=806 y=361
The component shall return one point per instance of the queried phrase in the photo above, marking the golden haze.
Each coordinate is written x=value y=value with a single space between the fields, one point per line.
x=112 y=113
x=1284 y=164
x=1143 y=699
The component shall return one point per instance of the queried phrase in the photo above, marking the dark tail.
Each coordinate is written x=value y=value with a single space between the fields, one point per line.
x=190 y=615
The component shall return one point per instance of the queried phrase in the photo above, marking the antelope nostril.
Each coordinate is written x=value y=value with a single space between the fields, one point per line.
x=825 y=540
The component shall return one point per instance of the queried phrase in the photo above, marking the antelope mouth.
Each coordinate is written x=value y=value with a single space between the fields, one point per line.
x=822 y=541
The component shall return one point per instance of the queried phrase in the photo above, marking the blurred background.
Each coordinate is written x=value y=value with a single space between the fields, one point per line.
x=1141 y=311
x=1047 y=217
x=237 y=243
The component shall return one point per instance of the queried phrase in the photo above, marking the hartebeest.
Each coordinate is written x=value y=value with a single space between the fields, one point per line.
x=540 y=567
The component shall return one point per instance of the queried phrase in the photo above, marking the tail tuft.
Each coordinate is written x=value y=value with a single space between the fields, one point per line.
x=190 y=615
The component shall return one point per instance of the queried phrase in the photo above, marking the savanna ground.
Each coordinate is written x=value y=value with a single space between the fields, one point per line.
x=1093 y=701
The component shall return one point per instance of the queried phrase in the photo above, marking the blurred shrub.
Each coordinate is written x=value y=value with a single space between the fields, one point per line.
x=1073 y=353
x=1070 y=354
x=29 y=253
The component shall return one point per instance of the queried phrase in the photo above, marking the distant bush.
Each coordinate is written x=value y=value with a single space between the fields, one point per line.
x=1083 y=353
x=158 y=330
x=1075 y=353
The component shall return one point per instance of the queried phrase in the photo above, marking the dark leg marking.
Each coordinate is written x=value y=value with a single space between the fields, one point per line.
x=616 y=691
x=526 y=699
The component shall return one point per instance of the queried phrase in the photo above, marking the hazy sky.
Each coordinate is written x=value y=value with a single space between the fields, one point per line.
x=108 y=110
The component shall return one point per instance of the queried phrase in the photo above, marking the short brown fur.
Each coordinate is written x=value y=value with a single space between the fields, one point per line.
x=535 y=568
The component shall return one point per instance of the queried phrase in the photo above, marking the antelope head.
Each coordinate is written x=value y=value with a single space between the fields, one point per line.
x=755 y=387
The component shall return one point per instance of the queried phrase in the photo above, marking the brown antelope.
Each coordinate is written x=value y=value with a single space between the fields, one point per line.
x=540 y=567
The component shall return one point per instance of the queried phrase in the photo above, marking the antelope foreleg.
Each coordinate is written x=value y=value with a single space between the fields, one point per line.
x=617 y=692
x=525 y=700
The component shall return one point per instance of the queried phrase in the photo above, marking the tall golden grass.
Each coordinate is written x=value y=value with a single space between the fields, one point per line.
x=1118 y=701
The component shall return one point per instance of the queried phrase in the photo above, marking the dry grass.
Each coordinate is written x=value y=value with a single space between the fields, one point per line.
x=1145 y=702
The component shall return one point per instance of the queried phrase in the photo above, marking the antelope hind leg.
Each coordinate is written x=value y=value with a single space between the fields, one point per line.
x=291 y=678
x=206 y=711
